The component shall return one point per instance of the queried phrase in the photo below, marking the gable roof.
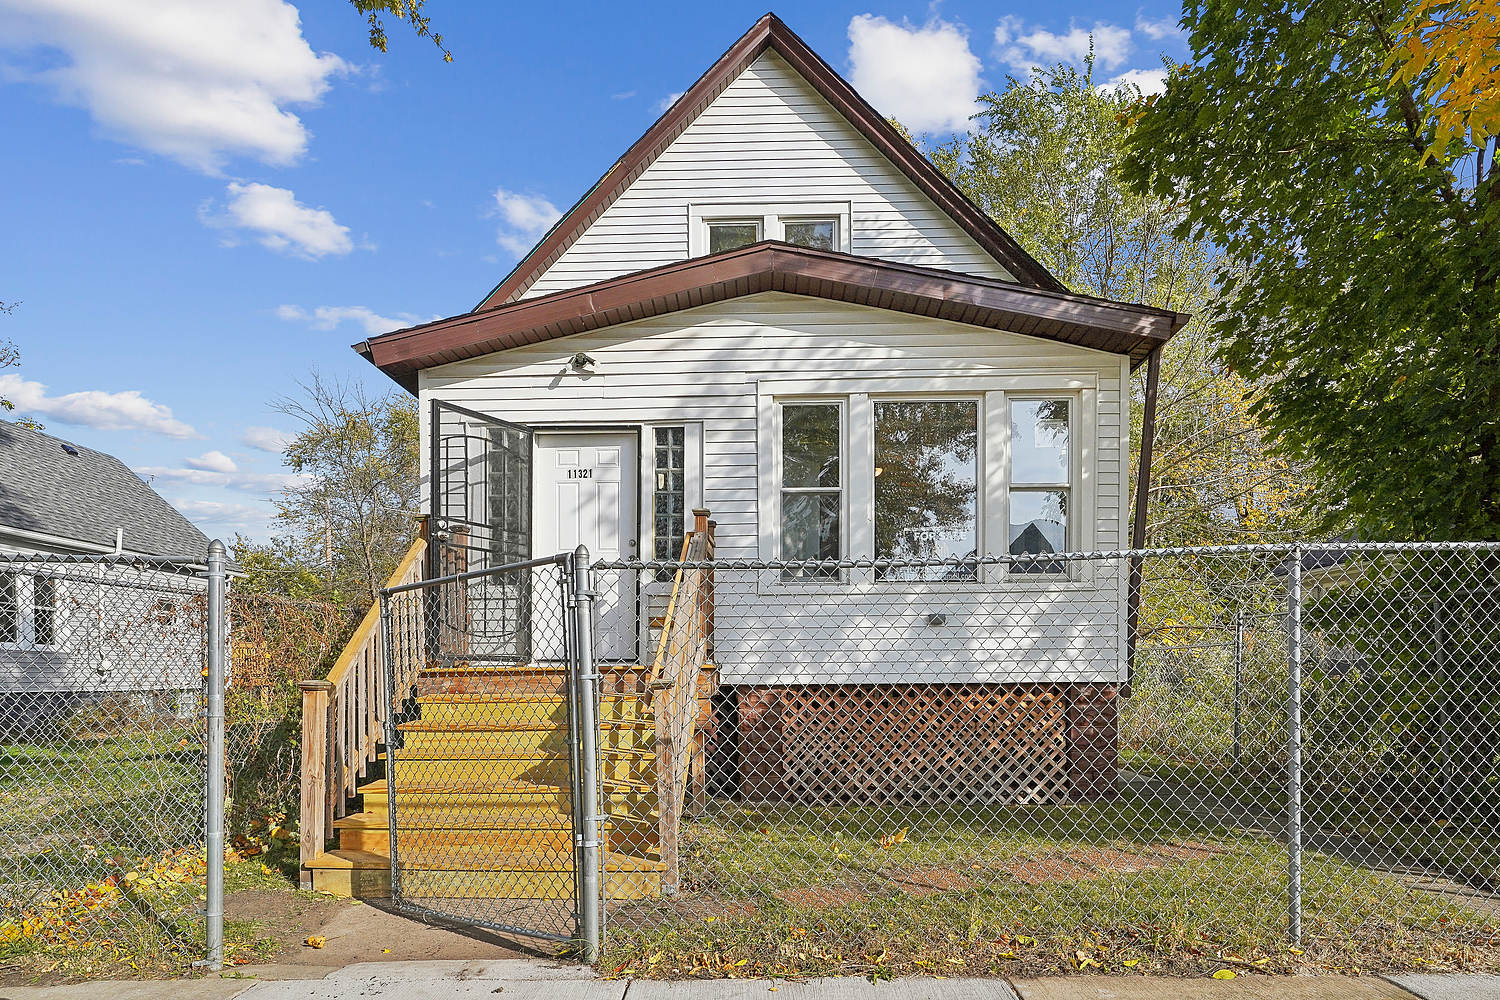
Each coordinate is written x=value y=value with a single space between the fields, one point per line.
x=770 y=33
x=1101 y=324
x=84 y=497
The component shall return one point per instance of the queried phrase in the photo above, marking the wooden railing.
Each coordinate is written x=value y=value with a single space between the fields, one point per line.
x=685 y=648
x=343 y=718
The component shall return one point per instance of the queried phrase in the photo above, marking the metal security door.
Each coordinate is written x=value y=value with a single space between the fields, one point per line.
x=481 y=471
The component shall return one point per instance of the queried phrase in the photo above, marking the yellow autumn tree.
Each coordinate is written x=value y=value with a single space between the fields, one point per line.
x=1449 y=52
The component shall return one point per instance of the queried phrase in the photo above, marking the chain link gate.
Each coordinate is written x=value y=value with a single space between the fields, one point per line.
x=105 y=756
x=491 y=786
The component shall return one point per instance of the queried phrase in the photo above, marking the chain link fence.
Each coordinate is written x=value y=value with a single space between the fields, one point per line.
x=102 y=754
x=1258 y=756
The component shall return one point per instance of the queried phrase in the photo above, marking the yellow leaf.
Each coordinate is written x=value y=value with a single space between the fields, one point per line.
x=1131 y=963
x=1224 y=974
x=316 y=941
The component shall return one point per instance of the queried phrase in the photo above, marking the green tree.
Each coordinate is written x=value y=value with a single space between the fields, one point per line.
x=1045 y=160
x=1363 y=301
x=350 y=515
x=410 y=11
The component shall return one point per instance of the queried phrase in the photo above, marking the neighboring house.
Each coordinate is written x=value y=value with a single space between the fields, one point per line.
x=72 y=630
x=750 y=312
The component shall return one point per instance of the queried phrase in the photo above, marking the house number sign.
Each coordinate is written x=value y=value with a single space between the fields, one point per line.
x=580 y=473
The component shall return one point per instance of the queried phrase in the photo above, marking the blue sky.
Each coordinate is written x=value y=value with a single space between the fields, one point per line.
x=205 y=201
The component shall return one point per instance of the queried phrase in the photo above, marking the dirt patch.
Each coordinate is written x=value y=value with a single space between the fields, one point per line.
x=1098 y=862
x=820 y=897
x=926 y=881
x=362 y=932
x=286 y=917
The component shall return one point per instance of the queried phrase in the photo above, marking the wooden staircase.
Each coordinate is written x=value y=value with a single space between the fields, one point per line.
x=482 y=773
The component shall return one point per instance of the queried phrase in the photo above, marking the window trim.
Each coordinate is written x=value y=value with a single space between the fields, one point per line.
x=772 y=217
x=692 y=487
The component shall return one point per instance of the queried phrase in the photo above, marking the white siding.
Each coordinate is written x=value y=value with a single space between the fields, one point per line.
x=769 y=138
x=716 y=364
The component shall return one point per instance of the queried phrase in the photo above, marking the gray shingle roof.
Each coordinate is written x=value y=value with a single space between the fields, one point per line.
x=85 y=497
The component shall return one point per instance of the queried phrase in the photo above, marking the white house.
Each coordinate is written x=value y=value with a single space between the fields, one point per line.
x=97 y=595
x=767 y=303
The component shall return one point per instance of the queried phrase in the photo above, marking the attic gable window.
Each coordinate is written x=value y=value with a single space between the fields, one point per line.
x=724 y=236
x=720 y=228
x=816 y=234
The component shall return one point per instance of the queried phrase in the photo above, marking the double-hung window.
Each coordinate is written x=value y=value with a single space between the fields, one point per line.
x=28 y=610
x=926 y=488
x=1040 y=482
x=812 y=487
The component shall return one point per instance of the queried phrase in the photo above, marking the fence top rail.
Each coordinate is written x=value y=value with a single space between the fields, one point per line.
x=126 y=559
x=1287 y=549
x=559 y=559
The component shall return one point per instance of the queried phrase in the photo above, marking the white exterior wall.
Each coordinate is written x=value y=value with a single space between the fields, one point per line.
x=768 y=140
x=118 y=629
x=718 y=367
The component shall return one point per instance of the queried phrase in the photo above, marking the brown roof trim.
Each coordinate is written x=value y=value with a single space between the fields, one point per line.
x=769 y=32
x=1101 y=324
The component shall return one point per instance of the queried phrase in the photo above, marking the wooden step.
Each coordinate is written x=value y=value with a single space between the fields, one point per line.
x=462 y=798
x=517 y=875
x=615 y=764
x=521 y=709
x=370 y=832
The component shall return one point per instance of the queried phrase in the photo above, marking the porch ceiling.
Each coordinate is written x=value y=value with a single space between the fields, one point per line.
x=1101 y=324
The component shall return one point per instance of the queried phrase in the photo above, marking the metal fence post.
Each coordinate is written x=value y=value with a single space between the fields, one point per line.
x=1294 y=749
x=214 y=806
x=585 y=681
x=1239 y=681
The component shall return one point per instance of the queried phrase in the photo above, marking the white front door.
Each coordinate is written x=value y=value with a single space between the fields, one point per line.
x=586 y=485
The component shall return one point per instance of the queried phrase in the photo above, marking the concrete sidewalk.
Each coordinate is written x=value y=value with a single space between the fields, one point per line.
x=516 y=979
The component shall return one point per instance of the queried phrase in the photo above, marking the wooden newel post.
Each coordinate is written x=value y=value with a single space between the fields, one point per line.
x=313 y=818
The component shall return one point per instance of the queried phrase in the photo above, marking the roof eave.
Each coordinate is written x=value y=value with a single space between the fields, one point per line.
x=1131 y=329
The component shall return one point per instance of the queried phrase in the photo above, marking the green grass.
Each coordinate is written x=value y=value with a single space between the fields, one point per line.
x=1026 y=890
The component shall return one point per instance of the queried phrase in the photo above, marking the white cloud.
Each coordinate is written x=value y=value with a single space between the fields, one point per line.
x=212 y=461
x=662 y=105
x=280 y=221
x=247 y=482
x=194 y=80
x=266 y=439
x=1023 y=49
x=524 y=218
x=1150 y=81
x=108 y=411
x=217 y=517
x=926 y=78
x=329 y=317
x=623 y=95
x=1159 y=30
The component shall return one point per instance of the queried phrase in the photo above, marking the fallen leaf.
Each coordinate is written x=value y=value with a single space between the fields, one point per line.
x=1224 y=974
x=316 y=941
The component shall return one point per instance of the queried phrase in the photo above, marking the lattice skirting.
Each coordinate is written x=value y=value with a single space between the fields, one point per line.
x=877 y=744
